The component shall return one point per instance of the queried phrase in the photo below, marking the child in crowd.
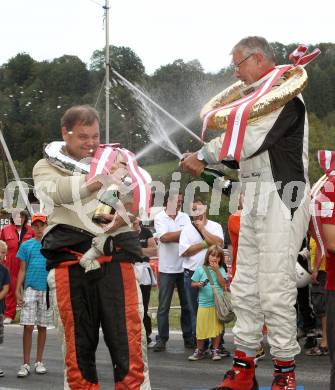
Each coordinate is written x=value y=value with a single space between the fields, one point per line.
x=208 y=325
x=34 y=306
x=4 y=288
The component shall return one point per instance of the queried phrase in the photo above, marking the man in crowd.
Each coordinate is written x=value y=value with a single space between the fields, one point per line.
x=168 y=225
x=274 y=220
x=195 y=238
x=83 y=301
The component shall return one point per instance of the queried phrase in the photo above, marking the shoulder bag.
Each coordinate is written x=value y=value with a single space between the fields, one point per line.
x=223 y=306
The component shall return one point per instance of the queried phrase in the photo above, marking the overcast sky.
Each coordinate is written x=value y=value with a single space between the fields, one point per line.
x=158 y=31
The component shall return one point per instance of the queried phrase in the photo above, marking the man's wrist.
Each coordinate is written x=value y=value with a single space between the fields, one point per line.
x=204 y=244
x=201 y=156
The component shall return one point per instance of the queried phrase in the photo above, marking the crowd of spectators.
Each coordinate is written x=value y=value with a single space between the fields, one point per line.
x=183 y=243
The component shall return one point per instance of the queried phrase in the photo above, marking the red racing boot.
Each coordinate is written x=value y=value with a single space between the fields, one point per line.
x=284 y=375
x=241 y=376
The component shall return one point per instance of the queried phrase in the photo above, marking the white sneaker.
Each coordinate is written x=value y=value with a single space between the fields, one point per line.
x=40 y=368
x=7 y=321
x=151 y=344
x=23 y=371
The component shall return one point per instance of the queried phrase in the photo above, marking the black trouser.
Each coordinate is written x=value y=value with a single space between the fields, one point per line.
x=146 y=291
x=111 y=302
x=305 y=309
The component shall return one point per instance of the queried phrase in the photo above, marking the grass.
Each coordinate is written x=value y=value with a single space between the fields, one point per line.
x=163 y=170
x=174 y=315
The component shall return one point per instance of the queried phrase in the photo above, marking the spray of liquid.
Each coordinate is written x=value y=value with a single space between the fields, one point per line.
x=154 y=126
x=159 y=130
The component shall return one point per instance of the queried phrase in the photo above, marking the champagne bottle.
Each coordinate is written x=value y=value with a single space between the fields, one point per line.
x=211 y=175
x=106 y=202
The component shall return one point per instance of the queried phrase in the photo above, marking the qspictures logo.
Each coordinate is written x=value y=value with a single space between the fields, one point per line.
x=265 y=388
x=269 y=388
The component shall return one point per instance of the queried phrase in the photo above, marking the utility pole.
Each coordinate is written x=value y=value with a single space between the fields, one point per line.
x=108 y=67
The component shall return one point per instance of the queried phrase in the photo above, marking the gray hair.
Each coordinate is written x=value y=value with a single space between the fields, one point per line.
x=255 y=45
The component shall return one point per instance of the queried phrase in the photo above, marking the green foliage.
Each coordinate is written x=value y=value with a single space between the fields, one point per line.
x=163 y=170
x=321 y=136
x=19 y=69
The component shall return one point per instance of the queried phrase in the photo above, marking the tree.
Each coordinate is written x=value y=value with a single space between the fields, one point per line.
x=124 y=60
x=68 y=75
x=19 y=69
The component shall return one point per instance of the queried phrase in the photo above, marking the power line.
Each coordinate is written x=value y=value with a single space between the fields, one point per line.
x=102 y=85
x=95 y=2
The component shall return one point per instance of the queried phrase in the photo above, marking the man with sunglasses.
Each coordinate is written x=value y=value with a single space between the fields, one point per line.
x=273 y=171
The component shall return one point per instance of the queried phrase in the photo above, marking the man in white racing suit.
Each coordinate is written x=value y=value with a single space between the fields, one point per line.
x=273 y=172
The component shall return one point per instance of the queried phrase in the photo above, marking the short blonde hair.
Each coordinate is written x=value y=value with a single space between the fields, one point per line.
x=3 y=245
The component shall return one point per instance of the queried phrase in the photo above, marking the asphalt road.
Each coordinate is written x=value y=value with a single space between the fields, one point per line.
x=169 y=370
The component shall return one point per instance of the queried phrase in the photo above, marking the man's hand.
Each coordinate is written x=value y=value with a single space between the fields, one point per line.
x=192 y=165
x=117 y=172
x=199 y=222
x=117 y=221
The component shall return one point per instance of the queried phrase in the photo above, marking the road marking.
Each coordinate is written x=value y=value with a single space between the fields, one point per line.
x=9 y=388
x=269 y=388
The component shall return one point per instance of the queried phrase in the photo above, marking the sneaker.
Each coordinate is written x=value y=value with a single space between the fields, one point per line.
x=224 y=352
x=215 y=354
x=23 y=371
x=284 y=375
x=2 y=373
x=159 y=346
x=310 y=342
x=7 y=321
x=317 y=351
x=189 y=343
x=198 y=354
x=260 y=354
x=40 y=368
x=241 y=376
x=151 y=344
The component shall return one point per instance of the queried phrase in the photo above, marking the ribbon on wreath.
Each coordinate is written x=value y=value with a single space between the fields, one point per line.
x=237 y=121
x=102 y=162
